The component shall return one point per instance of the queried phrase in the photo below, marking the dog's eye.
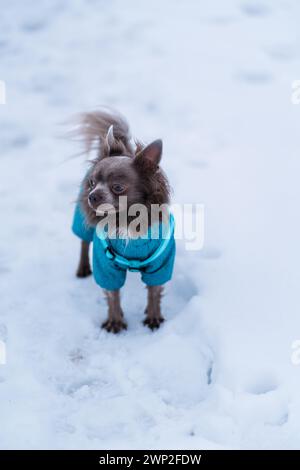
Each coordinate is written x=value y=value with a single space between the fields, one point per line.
x=92 y=183
x=118 y=188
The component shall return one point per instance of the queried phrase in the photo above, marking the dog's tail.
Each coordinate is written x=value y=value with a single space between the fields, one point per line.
x=105 y=131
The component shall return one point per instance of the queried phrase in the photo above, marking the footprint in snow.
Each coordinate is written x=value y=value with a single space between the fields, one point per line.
x=77 y=356
x=266 y=383
x=282 y=52
x=265 y=400
x=33 y=26
x=254 y=77
x=184 y=285
x=255 y=9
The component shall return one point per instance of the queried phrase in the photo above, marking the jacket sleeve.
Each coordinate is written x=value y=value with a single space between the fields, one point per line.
x=80 y=227
x=160 y=271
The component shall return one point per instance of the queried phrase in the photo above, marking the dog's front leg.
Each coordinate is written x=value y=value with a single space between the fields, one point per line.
x=84 y=268
x=115 y=321
x=153 y=313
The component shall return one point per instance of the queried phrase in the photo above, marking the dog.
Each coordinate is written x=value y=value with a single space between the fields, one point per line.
x=125 y=174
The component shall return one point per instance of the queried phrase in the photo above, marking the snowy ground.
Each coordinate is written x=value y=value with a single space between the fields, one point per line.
x=213 y=79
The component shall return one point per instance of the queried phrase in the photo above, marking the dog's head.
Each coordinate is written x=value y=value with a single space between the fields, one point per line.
x=135 y=175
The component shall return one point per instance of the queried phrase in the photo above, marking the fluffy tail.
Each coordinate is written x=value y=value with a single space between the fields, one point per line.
x=106 y=131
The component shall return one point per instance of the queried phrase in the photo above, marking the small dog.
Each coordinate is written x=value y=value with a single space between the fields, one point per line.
x=129 y=171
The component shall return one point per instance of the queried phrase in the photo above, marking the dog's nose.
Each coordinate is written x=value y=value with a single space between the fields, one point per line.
x=95 y=197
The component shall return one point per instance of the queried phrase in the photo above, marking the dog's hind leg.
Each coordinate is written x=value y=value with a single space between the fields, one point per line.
x=84 y=268
x=115 y=321
x=153 y=312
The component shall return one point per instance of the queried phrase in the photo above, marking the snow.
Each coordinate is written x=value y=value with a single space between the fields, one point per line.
x=214 y=80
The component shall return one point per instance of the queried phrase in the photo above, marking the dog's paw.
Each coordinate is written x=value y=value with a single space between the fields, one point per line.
x=114 y=326
x=153 y=323
x=84 y=271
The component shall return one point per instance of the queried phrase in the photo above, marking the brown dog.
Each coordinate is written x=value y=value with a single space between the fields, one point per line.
x=131 y=170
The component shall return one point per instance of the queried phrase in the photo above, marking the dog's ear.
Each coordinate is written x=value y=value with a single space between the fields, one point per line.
x=112 y=146
x=148 y=158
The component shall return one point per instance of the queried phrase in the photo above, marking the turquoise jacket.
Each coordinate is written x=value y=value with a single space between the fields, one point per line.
x=109 y=274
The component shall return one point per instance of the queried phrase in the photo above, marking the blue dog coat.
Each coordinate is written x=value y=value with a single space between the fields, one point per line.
x=153 y=255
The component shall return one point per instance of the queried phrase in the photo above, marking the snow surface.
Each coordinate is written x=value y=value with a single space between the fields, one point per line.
x=214 y=80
